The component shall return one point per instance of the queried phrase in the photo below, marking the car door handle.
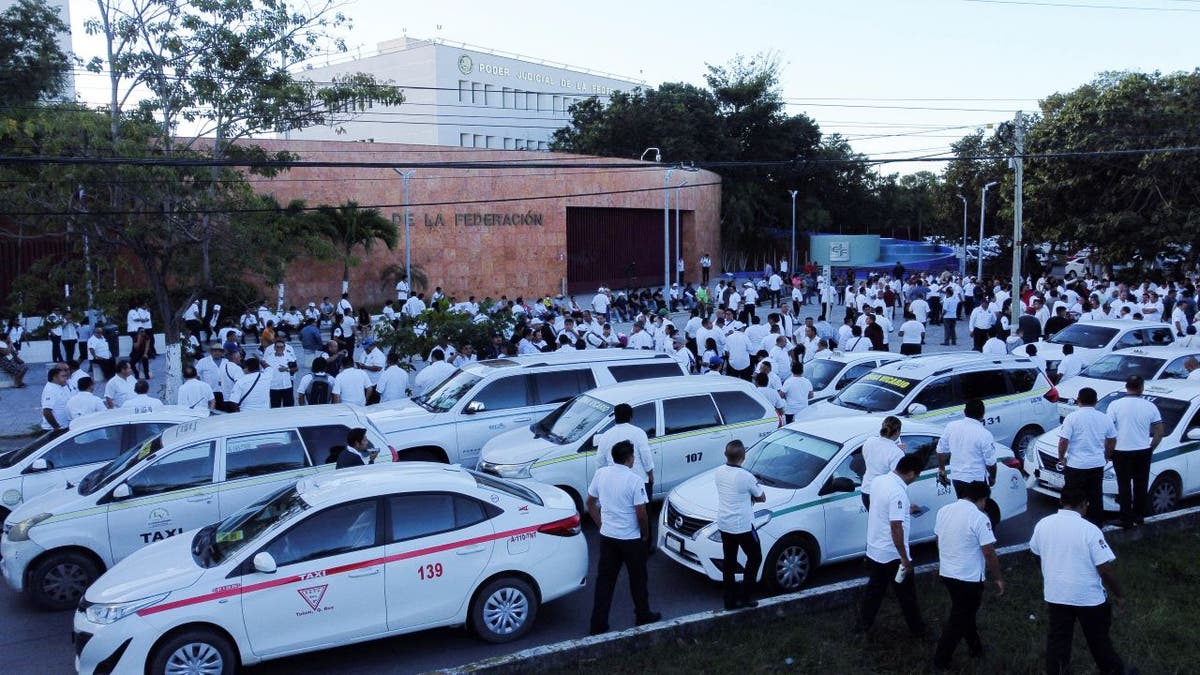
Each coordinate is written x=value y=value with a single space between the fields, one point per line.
x=204 y=499
x=523 y=420
x=369 y=572
x=470 y=549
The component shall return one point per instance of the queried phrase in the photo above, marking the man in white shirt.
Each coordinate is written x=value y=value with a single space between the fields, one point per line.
x=414 y=305
x=373 y=361
x=1086 y=440
x=120 y=388
x=402 y=291
x=1070 y=365
x=55 y=395
x=737 y=355
x=1076 y=566
x=433 y=374
x=888 y=523
x=1139 y=431
x=344 y=306
x=252 y=391
x=968 y=448
x=980 y=323
x=996 y=344
x=280 y=364
x=393 y=381
x=229 y=372
x=100 y=354
x=137 y=317
x=623 y=429
x=142 y=401
x=965 y=544
x=616 y=501
x=351 y=386
x=194 y=393
x=797 y=390
x=208 y=370
x=84 y=402
x=639 y=338
x=737 y=493
x=912 y=335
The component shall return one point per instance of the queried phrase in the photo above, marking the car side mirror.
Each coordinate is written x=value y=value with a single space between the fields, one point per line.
x=264 y=563
x=122 y=491
x=475 y=407
x=1193 y=434
x=40 y=464
x=916 y=409
x=839 y=484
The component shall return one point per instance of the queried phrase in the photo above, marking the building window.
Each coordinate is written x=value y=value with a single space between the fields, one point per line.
x=464 y=140
x=543 y=102
x=464 y=91
x=542 y=146
x=476 y=92
x=508 y=98
x=533 y=100
x=518 y=99
x=479 y=141
x=490 y=96
x=557 y=104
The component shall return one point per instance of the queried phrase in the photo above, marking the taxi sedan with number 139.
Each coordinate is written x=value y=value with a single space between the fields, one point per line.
x=333 y=560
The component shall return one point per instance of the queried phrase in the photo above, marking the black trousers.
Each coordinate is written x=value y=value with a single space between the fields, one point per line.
x=1060 y=630
x=1133 y=479
x=965 y=597
x=880 y=576
x=69 y=350
x=960 y=484
x=866 y=500
x=1092 y=483
x=730 y=544
x=283 y=398
x=615 y=553
x=980 y=336
x=704 y=276
x=56 y=348
x=949 y=331
x=910 y=349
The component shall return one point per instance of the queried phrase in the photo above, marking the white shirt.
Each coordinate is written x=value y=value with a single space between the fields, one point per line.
x=600 y=303
x=880 y=456
x=1133 y=416
x=137 y=318
x=194 y=394
x=920 y=310
x=771 y=394
x=209 y=372
x=431 y=376
x=738 y=348
x=912 y=332
x=252 y=392
x=142 y=403
x=619 y=491
x=392 y=384
x=889 y=503
x=962 y=531
x=1086 y=430
x=229 y=373
x=1070 y=549
x=981 y=318
x=84 y=403
x=972 y=449
x=735 y=487
x=995 y=347
x=1070 y=366
x=351 y=386
x=119 y=389
x=639 y=340
x=796 y=390
x=279 y=379
x=643 y=458
x=402 y=290
x=375 y=357
x=55 y=397
x=99 y=346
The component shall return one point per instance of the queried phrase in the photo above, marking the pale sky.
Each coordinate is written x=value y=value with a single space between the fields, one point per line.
x=901 y=69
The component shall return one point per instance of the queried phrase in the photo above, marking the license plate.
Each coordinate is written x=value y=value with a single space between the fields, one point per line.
x=674 y=543
x=1054 y=480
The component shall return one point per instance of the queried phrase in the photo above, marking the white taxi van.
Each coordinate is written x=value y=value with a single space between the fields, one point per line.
x=688 y=421
x=1174 y=466
x=190 y=475
x=453 y=421
x=63 y=457
x=1109 y=372
x=833 y=374
x=812 y=474
x=336 y=559
x=1093 y=339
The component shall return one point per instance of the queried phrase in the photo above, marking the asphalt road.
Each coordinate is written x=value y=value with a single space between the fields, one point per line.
x=34 y=641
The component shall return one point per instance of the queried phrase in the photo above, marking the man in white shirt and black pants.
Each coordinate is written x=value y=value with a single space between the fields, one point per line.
x=616 y=502
x=1076 y=568
x=965 y=544
x=888 y=522
x=1086 y=438
x=737 y=492
x=969 y=449
x=1139 y=430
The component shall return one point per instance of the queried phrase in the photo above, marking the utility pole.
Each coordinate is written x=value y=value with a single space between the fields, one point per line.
x=1018 y=164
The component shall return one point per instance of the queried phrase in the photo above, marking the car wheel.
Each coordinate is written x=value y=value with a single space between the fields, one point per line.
x=60 y=579
x=504 y=610
x=1164 y=494
x=789 y=564
x=193 y=652
x=1023 y=443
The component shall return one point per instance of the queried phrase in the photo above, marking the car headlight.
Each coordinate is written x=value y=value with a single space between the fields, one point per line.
x=761 y=518
x=507 y=470
x=20 y=531
x=105 y=613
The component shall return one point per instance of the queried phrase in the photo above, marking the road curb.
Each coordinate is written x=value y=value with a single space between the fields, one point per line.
x=573 y=653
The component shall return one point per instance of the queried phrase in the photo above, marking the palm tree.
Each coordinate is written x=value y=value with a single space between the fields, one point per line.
x=393 y=273
x=350 y=227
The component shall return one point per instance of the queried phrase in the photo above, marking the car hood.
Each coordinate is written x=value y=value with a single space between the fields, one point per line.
x=161 y=567
x=825 y=409
x=57 y=501
x=697 y=496
x=399 y=415
x=520 y=446
x=1069 y=388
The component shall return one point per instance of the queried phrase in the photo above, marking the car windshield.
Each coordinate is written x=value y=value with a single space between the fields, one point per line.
x=875 y=392
x=216 y=543
x=572 y=420
x=1118 y=367
x=15 y=455
x=445 y=395
x=124 y=461
x=1085 y=336
x=789 y=459
x=821 y=372
x=1170 y=409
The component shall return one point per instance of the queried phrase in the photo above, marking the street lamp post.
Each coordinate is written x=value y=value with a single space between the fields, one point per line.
x=678 y=231
x=667 y=238
x=407 y=239
x=792 y=260
x=982 y=216
x=962 y=260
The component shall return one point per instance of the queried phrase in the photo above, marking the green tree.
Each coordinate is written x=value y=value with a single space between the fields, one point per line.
x=32 y=66
x=350 y=227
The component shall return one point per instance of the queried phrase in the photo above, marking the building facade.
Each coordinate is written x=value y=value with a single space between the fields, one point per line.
x=464 y=96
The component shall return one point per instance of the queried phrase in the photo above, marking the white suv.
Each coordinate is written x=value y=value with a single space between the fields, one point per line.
x=831 y=375
x=1018 y=398
x=1093 y=339
x=1109 y=372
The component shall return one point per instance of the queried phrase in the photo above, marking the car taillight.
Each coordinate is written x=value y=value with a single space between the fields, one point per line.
x=395 y=455
x=1012 y=463
x=567 y=527
x=1051 y=395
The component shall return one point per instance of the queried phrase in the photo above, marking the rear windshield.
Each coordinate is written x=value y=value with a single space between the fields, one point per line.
x=821 y=372
x=1171 y=409
x=11 y=457
x=1118 y=367
x=1081 y=335
x=875 y=392
x=507 y=487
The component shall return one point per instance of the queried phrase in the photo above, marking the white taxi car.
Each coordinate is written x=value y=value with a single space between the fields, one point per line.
x=812 y=475
x=61 y=458
x=1109 y=372
x=190 y=475
x=833 y=374
x=1093 y=339
x=1174 y=467
x=336 y=559
x=688 y=421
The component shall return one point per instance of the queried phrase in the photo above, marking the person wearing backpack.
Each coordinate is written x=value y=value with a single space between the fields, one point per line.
x=316 y=387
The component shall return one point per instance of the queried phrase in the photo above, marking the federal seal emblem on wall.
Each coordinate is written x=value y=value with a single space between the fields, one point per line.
x=465 y=64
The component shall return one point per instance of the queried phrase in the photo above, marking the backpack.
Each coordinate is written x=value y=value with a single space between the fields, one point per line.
x=319 y=390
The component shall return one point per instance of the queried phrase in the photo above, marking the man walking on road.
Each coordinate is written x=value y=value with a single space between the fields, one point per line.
x=1139 y=430
x=737 y=492
x=616 y=502
x=969 y=449
x=1076 y=567
x=966 y=544
x=1086 y=437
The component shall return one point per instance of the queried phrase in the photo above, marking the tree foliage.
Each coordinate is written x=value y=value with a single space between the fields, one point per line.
x=32 y=65
x=349 y=226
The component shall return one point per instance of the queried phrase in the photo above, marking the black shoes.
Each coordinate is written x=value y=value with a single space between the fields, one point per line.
x=652 y=617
